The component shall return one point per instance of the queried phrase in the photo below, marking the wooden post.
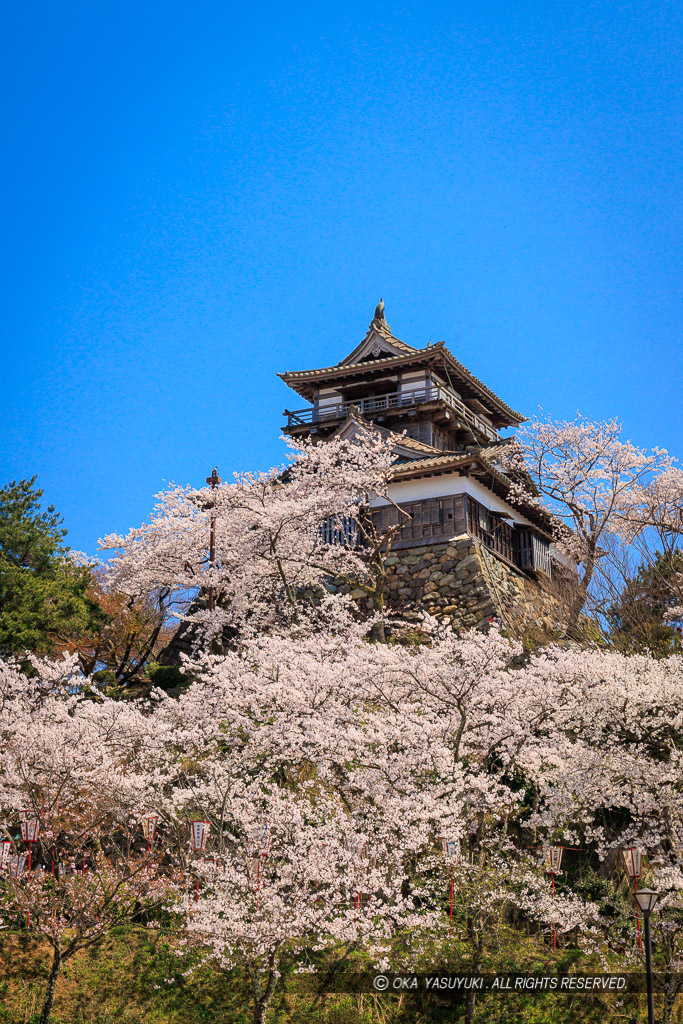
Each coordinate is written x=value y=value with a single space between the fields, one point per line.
x=214 y=480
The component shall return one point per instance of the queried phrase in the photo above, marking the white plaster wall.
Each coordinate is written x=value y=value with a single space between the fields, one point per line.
x=328 y=397
x=449 y=483
x=413 y=382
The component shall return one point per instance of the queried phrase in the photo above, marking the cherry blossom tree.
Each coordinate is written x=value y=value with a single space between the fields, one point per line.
x=297 y=876
x=587 y=476
x=63 y=773
x=609 y=774
x=279 y=535
x=330 y=770
x=652 y=522
x=348 y=762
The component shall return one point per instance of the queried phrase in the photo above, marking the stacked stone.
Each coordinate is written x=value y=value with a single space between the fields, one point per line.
x=444 y=579
x=464 y=586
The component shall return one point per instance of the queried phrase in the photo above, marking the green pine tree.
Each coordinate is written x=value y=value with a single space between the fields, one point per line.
x=44 y=604
x=638 y=622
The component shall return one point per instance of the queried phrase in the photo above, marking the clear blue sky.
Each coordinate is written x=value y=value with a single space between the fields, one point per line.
x=197 y=196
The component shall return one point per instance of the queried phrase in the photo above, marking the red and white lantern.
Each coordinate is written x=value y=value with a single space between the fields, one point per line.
x=199 y=833
x=264 y=840
x=30 y=827
x=5 y=847
x=16 y=866
x=149 y=826
x=633 y=859
x=451 y=851
x=552 y=856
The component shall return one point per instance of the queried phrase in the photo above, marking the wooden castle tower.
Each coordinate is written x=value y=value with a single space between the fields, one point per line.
x=448 y=479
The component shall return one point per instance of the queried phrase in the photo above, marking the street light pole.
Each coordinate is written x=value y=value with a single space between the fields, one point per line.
x=648 y=971
x=646 y=899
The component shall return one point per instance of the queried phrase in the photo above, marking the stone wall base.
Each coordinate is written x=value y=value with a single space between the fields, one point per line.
x=464 y=585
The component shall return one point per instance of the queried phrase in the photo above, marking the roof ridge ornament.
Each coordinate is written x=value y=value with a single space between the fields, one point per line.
x=379 y=317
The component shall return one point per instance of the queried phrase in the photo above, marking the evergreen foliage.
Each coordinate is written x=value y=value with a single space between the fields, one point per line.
x=43 y=594
x=638 y=619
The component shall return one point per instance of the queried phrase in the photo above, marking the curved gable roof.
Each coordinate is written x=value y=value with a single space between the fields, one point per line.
x=379 y=341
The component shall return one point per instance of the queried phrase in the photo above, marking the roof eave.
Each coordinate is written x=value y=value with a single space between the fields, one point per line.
x=462 y=464
x=310 y=379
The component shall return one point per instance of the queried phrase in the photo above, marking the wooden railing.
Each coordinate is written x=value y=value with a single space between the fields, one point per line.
x=519 y=544
x=385 y=403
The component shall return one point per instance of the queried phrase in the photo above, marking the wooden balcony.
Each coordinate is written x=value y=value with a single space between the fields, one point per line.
x=404 y=400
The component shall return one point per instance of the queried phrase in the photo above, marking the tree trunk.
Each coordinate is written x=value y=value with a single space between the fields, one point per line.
x=51 y=986
x=262 y=998
x=470 y=1000
x=378 y=633
x=260 y=1008
x=261 y=1004
x=578 y=600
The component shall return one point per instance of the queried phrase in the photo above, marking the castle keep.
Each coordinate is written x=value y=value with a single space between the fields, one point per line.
x=463 y=549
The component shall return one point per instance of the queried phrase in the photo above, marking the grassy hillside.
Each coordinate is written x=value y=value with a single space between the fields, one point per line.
x=124 y=981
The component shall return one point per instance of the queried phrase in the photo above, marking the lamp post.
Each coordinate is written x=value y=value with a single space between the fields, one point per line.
x=214 y=480
x=646 y=900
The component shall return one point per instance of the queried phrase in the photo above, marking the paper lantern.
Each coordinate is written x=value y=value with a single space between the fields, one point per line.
x=262 y=840
x=199 y=834
x=16 y=866
x=30 y=827
x=149 y=826
x=553 y=859
x=633 y=859
x=5 y=847
x=451 y=851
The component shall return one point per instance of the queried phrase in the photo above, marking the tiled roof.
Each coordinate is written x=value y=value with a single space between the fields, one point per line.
x=402 y=439
x=442 y=461
x=297 y=376
x=338 y=368
x=412 y=442
x=456 y=460
x=382 y=328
